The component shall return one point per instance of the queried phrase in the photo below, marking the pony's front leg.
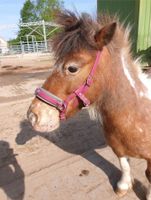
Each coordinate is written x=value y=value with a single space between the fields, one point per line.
x=125 y=183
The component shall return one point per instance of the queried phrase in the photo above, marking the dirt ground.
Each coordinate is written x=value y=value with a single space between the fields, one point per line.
x=71 y=163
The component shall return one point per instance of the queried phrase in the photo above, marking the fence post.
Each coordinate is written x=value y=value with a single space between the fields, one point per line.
x=44 y=33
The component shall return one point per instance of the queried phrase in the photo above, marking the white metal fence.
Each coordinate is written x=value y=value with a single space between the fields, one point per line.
x=22 y=48
x=32 y=47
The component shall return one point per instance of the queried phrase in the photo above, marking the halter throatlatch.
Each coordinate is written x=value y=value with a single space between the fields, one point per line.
x=60 y=104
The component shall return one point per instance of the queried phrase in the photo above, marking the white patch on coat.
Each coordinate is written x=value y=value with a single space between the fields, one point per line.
x=125 y=68
x=140 y=130
x=142 y=77
x=94 y=114
x=147 y=83
x=141 y=94
x=126 y=181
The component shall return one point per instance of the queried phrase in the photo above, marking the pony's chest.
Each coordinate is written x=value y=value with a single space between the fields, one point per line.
x=130 y=138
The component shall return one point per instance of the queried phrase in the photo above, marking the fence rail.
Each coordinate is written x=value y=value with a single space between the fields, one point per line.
x=23 y=48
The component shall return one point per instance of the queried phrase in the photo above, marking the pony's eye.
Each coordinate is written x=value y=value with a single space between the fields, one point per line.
x=72 y=69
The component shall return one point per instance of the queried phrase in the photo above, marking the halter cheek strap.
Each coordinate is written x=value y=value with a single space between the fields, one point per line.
x=60 y=104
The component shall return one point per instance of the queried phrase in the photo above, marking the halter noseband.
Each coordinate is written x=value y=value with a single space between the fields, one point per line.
x=60 y=104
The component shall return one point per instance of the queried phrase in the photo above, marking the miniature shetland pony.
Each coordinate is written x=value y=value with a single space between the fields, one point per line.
x=94 y=68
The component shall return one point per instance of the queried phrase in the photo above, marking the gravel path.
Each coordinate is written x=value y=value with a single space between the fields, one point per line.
x=71 y=163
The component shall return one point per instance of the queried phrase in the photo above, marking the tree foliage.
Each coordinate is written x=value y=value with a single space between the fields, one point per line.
x=36 y=10
x=46 y=9
x=28 y=12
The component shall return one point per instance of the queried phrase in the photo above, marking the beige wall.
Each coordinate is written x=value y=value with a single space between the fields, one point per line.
x=3 y=46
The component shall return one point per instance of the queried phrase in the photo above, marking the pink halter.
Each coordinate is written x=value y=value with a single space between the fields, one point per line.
x=60 y=104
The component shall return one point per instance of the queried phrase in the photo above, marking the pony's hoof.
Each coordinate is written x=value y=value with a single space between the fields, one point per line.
x=120 y=193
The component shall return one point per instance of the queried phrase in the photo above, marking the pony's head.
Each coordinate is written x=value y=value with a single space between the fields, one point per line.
x=77 y=78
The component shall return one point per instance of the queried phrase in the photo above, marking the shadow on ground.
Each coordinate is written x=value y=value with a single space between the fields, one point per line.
x=77 y=136
x=11 y=174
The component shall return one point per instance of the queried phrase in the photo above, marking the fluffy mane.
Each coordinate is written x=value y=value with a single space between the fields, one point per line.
x=78 y=31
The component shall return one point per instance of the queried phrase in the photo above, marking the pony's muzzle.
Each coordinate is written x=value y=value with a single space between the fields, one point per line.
x=32 y=117
x=43 y=117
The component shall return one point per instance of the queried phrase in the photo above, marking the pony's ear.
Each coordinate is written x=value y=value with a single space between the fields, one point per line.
x=105 y=35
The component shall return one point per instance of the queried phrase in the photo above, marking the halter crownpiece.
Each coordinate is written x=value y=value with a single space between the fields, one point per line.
x=60 y=104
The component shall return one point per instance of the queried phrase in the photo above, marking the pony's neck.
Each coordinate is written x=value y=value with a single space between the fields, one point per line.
x=122 y=84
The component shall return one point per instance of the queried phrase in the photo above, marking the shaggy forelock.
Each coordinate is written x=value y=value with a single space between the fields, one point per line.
x=78 y=32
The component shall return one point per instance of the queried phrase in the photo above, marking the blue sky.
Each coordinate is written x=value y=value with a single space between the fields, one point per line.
x=10 y=12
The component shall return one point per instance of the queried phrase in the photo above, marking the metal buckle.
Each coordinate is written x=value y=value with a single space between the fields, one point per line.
x=85 y=101
x=61 y=107
x=89 y=80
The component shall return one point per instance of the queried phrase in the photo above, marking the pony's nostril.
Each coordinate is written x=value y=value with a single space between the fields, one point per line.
x=32 y=118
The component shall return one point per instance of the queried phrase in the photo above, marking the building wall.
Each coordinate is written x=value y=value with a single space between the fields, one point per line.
x=128 y=12
x=144 y=27
x=3 y=46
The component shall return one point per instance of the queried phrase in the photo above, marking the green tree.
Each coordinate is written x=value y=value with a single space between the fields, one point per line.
x=28 y=12
x=36 y=10
x=46 y=9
